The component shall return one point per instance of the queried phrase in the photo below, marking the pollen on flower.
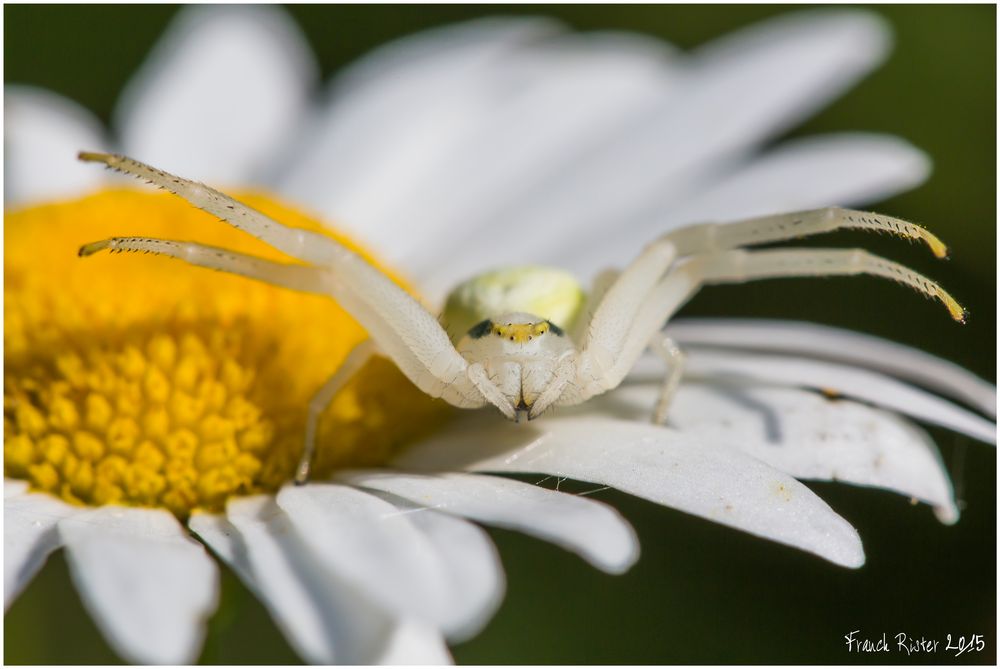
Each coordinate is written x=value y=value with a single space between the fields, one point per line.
x=144 y=381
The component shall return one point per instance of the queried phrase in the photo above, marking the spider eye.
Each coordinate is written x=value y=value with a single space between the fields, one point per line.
x=481 y=329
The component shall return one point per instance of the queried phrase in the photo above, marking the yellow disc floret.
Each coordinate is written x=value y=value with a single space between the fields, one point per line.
x=141 y=380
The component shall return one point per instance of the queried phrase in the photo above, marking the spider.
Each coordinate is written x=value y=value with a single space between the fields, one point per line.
x=519 y=362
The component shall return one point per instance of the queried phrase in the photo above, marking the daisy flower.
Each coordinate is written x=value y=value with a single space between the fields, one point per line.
x=154 y=412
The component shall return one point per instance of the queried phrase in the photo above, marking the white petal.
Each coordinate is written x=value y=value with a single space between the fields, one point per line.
x=14 y=487
x=29 y=535
x=589 y=528
x=394 y=106
x=802 y=434
x=326 y=620
x=827 y=376
x=659 y=464
x=415 y=643
x=734 y=94
x=844 y=169
x=476 y=580
x=788 y=67
x=220 y=94
x=149 y=586
x=841 y=345
x=389 y=556
x=42 y=134
x=523 y=124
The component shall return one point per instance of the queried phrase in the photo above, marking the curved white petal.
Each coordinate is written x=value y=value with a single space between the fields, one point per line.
x=29 y=534
x=593 y=530
x=14 y=487
x=732 y=95
x=476 y=581
x=841 y=379
x=843 y=169
x=415 y=643
x=787 y=67
x=841 y=345
x=802 y=434
x=659 y=464
x=394 y=558
x=42 y=133
x=149 y=586
x=220 y=94
x=326 y=620
x=529 y=119
x=393 y=107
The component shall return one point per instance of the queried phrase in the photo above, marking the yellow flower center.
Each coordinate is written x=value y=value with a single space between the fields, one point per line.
x=141 y=380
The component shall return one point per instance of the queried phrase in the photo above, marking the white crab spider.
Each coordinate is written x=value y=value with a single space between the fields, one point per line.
x=519 y=362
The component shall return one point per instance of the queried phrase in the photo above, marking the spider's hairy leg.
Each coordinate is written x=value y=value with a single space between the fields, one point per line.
x=295 y=277
x=595 y=377
x=638 y=301
x=738 y=266
x=352 y=364
x=300 y=244
x=404 y=330
x=598 y=289
x=707 y=237
x=741 y=266
x=608 y=327
x=671 y=354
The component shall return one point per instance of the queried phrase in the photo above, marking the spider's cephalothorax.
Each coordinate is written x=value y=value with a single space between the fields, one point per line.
x=519 y=363
x=520 y=354
x=516 y=324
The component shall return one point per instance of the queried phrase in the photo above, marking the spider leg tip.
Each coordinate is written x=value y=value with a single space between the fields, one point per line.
x=93 y=157
x=937 y=247
x=93 y=247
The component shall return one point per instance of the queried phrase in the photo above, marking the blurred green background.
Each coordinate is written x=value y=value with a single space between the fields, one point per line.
x=700 y=593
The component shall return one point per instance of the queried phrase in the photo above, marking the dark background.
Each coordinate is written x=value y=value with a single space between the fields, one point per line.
x=701 y=593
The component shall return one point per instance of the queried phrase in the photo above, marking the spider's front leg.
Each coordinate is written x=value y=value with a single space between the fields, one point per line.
x=612 y=345
x=607 y=344
x=286 y=275
x=304 y=245
x=712 y=237
x=403 y=329
x=599 y=369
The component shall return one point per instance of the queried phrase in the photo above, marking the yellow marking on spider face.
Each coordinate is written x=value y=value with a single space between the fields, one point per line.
x=520 y=332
